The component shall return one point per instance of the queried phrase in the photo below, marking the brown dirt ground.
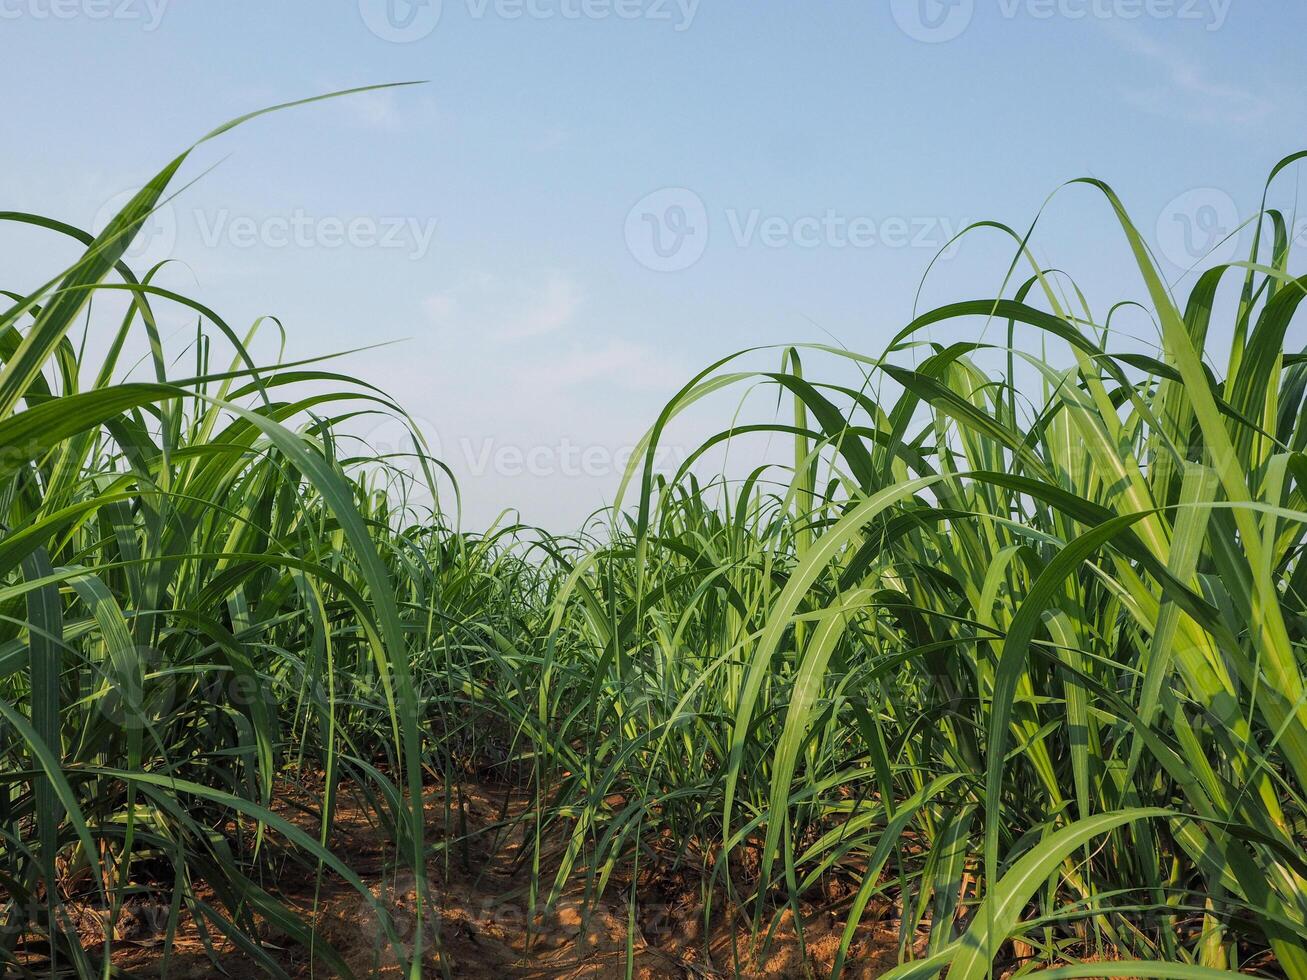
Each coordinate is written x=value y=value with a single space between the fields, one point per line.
x=481 y=889
x=482 y=896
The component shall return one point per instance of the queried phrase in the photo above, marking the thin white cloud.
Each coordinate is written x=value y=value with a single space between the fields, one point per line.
x=553 y=138
x=387 y=110
x=531 y=340
x=625 y=364
x=1188 y=89
x=506 y=311
x=552 y=309
x=440 y=306
x=374 y=110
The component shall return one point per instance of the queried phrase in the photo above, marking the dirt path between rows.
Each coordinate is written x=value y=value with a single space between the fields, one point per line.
x=483 y=927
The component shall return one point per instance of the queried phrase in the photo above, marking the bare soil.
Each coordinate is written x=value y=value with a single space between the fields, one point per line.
x=485 y=927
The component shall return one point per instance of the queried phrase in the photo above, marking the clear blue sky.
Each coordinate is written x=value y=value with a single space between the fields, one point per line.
x=594 y=198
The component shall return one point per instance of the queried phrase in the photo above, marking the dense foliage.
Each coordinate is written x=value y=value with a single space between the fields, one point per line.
x=1022 y=649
